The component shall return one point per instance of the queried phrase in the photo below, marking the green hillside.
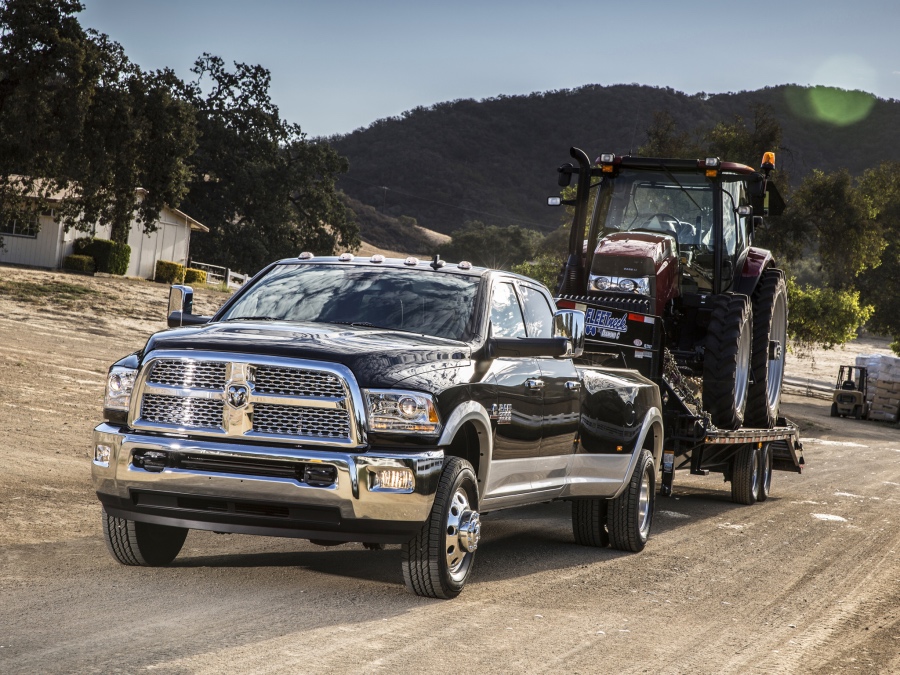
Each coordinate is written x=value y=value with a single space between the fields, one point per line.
x=495 y=160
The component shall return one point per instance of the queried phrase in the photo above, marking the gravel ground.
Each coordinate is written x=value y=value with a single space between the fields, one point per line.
x=808 y=582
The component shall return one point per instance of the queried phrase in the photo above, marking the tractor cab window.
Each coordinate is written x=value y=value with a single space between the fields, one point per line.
x=736 y=227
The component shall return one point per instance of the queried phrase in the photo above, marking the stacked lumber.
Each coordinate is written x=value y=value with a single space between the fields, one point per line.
x=884 y=385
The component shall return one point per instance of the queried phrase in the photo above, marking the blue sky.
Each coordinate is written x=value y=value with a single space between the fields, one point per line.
x=339 y=65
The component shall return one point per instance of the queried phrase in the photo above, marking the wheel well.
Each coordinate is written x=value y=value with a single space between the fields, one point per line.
x=466 y=445
x=653 y=442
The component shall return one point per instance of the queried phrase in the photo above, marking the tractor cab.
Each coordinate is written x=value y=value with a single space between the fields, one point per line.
x=850 y=393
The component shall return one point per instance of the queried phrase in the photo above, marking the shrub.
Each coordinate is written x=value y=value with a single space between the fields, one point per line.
x=79 y=263
x=169 y=272
x=823 y=316
x=192 y=276
x=109 y=257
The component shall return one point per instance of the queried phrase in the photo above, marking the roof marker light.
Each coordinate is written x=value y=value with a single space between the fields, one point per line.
x=377 y=258
x=712 y=162
x=464 y=265
x=306 y=255
x=411 y=261
x=607 y=158
x=345 y=257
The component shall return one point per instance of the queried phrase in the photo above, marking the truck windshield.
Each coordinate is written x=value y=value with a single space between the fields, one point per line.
x=418 y=301
x=680 y=204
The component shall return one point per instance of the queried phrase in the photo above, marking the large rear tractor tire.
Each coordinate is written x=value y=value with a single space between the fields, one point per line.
x=770 y=320
x=726 y=360
x=142 y=544
x=631 y=513
x=438 y=560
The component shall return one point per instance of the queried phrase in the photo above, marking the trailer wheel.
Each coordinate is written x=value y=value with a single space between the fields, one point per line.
x=438 y=560
x=631 y=513
x=765 y=473
x=726 y=360
x=142 y=544
x=770 y=320
x=745 y=475
x=589 y=522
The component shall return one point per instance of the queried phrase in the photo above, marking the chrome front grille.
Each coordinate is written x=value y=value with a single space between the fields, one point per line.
x=249 y=397
x=297 y=382
x=182 y=411
x=184 y=373
x=294 y=421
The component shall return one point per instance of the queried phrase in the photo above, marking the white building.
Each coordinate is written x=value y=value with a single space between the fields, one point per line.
x=49 y=245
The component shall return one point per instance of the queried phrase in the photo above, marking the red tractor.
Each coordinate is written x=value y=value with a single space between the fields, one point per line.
x=672 y=239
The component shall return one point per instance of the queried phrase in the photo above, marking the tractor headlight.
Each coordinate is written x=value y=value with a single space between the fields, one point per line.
x=395 y=411
x=119 y=384
x=636 y=285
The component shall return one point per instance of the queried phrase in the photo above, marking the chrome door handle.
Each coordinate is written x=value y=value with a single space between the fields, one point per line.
x=534 y=384
x=573 y=385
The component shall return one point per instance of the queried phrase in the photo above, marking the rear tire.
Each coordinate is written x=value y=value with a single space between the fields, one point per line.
x=765 y=473
x=589 y=522
x=745 y=476
x=834 y=412
x=438 y=560
x=770 y=319
x=857 y=412
x=631 y=513
x=142 y=544
x=726 y=360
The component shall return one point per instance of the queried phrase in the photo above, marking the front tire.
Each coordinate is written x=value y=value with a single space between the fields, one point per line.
x=631 y=513
x=726 y=360
x=142 y=544
x=745 y=475
x=438 y=560
x=770 y=320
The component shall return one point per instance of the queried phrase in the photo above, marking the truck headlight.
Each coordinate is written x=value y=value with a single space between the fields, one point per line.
x=402 y=411
x=119 y=384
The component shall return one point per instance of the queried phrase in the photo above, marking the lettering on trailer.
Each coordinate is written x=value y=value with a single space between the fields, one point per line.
x=603 y=323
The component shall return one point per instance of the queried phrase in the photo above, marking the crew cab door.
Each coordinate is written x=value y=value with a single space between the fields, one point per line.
x=517 y=413
x=562 y=391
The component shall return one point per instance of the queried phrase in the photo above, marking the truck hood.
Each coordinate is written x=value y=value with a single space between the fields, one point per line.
x=377 y=357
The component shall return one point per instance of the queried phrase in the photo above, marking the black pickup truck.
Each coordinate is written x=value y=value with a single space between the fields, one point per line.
x=373 y=400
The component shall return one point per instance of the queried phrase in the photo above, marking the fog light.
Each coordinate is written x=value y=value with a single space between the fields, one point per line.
x=394 y=479
x=102 y=454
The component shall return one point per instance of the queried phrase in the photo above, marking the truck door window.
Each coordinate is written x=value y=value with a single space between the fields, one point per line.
x=538 y=315
x=506 y=315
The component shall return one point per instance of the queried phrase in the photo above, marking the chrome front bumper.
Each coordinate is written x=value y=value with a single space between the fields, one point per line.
x=353 y=508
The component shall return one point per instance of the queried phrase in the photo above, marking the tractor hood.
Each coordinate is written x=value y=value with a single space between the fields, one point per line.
x=632 y=254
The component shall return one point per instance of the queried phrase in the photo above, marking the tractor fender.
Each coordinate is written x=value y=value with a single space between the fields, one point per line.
x=758 y=260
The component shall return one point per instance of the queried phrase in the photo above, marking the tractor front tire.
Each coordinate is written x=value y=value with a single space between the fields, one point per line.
x=770 y=320
x=726 y=360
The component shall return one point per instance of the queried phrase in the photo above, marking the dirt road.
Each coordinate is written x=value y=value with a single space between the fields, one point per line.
x=807 y=582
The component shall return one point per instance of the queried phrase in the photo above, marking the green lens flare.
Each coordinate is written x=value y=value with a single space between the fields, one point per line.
x=828 y=104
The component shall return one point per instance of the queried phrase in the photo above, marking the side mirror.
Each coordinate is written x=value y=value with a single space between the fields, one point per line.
x=564 y=178
x=523 y=347
x=569 y=324
x=181 y=308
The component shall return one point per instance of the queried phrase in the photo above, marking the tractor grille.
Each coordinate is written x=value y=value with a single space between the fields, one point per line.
x=231 y=396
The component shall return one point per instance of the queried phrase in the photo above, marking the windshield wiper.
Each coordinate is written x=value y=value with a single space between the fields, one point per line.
x=254 y=318
x=681 y=187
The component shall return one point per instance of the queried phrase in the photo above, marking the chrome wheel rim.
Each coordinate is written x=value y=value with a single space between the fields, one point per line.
x=462 y=533
x=742 y=372
x=644 y=497
x=754 y=477
x=767 y=471
x=778 y=333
